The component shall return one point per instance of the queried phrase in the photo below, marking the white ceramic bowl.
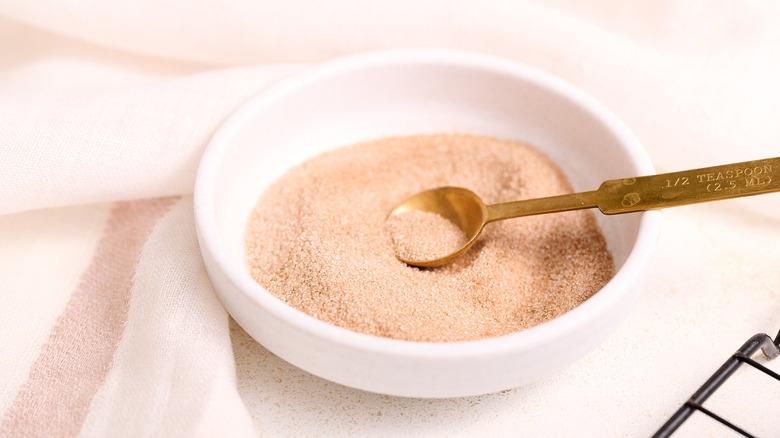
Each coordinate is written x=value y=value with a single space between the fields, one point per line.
x=410 y=92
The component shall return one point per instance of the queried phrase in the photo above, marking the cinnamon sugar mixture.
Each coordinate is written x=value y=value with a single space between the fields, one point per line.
x=318 y=240
x=421 y=235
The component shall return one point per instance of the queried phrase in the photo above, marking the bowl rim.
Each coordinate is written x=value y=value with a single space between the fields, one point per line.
x=211 y=241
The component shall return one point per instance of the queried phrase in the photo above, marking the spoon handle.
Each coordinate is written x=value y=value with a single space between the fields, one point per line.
x=656 y=191
x=689 y=186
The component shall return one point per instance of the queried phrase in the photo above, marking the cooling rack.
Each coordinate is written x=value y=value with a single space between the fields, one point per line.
x=769 y=347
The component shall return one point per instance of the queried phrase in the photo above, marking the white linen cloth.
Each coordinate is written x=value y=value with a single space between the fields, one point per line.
x=110 y=326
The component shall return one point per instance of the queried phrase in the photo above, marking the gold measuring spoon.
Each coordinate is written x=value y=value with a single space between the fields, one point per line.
x=466 y=210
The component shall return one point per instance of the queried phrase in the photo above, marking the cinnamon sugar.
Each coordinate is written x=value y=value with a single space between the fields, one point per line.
x=317 y=240
x=421 y=235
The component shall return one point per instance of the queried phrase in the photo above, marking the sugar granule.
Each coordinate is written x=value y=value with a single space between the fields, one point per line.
x=317 y=240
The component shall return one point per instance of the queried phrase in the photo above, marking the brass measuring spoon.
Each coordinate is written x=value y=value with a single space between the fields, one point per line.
x=466 y=210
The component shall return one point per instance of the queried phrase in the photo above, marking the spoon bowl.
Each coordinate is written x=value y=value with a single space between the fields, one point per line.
x=460 y=206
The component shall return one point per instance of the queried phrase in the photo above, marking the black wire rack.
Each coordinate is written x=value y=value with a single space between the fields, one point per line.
x=770 y=348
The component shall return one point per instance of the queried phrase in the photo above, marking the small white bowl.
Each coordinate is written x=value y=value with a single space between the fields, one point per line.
x=411 y=92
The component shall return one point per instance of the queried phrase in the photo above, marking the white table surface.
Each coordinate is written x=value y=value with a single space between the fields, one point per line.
x=714 y=282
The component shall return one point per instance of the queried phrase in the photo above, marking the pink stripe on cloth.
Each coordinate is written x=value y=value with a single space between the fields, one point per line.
x=74 y=362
